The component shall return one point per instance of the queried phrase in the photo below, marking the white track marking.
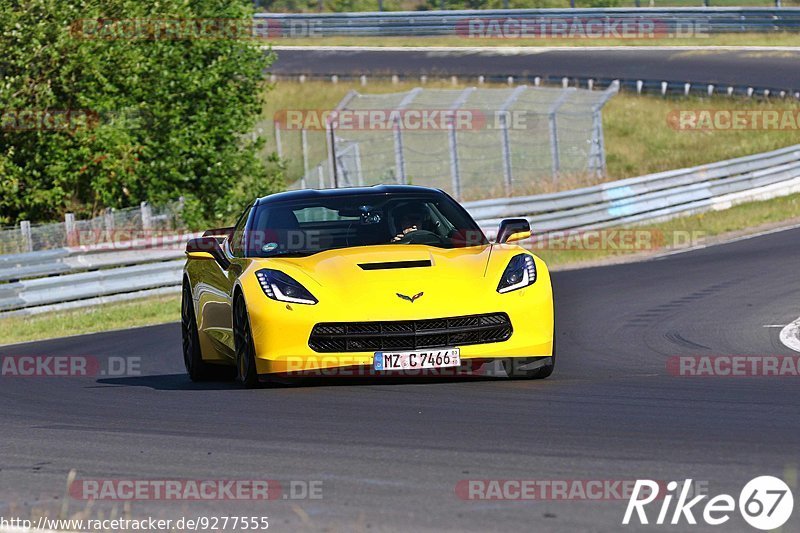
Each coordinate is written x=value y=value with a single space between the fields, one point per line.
x=790 y=335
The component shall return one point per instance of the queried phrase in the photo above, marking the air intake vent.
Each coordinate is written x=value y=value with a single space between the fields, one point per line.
x=396 y=264
x=330 y=337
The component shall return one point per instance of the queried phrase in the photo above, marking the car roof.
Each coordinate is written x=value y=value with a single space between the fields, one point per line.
x=311 y=194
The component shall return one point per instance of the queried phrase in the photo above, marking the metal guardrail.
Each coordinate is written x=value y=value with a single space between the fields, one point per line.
x=15 y=267
x=74 y=287
x=630 y=201
x=645 y=197
x=440 y=23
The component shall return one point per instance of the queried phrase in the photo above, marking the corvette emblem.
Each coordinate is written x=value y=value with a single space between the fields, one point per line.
x=410 y=298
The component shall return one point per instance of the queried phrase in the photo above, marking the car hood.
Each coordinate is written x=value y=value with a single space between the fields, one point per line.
x=383 y=271
x=459 y=281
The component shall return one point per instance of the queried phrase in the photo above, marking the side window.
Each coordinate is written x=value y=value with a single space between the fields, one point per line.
x=237 y=239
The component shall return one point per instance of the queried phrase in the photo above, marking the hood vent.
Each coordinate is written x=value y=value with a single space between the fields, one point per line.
x=396 y=264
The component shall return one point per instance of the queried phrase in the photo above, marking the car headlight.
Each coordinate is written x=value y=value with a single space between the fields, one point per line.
x=284 y=288
x=520 y=272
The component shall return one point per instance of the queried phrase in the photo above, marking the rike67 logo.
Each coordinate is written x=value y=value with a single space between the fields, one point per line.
x=765 y=503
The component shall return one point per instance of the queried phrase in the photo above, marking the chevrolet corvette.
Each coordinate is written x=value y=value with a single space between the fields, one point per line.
x=394 y=279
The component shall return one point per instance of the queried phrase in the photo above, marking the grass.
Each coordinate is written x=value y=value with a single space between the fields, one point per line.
x=723 y=39
x=130 y=314
x=639 y=136
x=696 y=229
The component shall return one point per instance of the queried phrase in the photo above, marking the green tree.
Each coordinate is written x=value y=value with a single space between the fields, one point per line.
x=167 y=116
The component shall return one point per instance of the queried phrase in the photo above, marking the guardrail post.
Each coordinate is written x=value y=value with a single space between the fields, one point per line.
x=27 y=238
x=147 y=221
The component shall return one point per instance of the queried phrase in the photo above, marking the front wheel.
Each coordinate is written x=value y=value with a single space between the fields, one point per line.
x=243 y=344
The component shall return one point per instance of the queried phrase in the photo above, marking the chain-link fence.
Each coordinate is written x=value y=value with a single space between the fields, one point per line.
x=114 y=225
x=473 y=143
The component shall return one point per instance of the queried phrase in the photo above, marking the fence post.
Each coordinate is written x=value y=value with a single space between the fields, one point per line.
x=455 y=171
x=69 y=228
x=108 y=222
x=304 y=141
x=597 y=156
x=146 y=215
x=551 y=118
x=399 y=153
x=321 y=174
x=504 y=137
x=330 y=136
x=399 y=156
x=357 y=155
x=27 y=238
x=278 y=145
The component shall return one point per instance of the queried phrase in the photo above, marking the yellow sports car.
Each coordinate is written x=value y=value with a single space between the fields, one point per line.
x=383 y=280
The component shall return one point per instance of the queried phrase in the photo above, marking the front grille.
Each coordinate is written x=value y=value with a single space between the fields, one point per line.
x=410 y=334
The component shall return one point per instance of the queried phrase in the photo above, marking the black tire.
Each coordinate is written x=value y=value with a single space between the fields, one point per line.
x=197 y=369
x=514 y=370
x=246 y=372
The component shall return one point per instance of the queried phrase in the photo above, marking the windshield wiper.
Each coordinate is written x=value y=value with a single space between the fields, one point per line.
x=289 y=253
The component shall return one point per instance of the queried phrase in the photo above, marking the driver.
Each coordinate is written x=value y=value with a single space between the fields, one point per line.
x=411 y=220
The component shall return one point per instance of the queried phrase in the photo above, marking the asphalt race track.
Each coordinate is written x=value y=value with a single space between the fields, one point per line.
x=758 y=68
x=390 y=455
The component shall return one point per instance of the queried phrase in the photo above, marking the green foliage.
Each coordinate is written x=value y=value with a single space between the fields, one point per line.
x=166 y=116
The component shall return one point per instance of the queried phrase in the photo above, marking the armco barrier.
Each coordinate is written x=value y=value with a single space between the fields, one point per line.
x=654 y=195
x=624 y=202
x=439 y=23
x=15 y=267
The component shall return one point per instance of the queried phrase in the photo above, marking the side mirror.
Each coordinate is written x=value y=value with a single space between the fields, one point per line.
x=207 y=248
x=219 y=232
x=513 y=229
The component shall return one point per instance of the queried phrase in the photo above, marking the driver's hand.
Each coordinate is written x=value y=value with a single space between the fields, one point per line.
x=404 y=233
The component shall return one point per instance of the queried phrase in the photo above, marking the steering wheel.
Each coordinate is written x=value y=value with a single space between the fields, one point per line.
x=419 y=236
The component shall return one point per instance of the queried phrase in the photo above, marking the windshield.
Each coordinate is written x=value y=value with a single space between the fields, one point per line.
x=308 y=226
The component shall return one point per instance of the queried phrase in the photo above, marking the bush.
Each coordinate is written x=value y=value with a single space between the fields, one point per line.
x=163 y=118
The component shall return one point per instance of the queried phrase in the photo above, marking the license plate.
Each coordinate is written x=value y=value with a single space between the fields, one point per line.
x=439 y=358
